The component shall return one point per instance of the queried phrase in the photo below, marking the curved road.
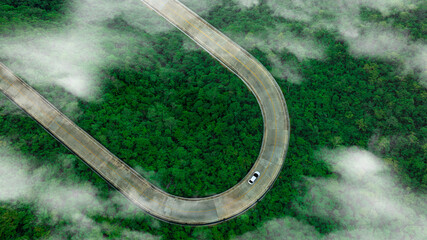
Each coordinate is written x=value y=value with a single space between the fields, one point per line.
x=174 y=209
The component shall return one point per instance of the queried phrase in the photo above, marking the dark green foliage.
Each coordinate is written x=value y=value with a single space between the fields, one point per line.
x=17 y=221
x=49 y=5
x=199 y=125
x=413 y=21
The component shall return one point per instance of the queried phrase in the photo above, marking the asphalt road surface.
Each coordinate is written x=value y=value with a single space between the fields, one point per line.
x=174 y=209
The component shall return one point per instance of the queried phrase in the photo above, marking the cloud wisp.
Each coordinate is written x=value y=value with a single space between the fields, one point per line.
x=71 y=57
x=247 y=3
x=276 y=40
x=60 y=197
x=364 y=38
x=201 y=7
x=63 y=58
x=310 y=10
x=364 y=200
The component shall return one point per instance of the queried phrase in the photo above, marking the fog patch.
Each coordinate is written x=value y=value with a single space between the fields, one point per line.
x=295 y=9
x=63 y=58
x=373 y=40
x=201 y=7
x=150 y=175
x=282 y=228
x=285 y=70
x=14 y=179
x=364 y=38
x=275 y=42
x=247 y=3
x=73 y=56
x=302 y=10
x=364 y=200
x=134 y=12
x=128 y=234
x=377 y=41
x=60 y=197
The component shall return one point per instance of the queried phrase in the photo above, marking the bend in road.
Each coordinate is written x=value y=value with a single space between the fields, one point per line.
x=167 y=207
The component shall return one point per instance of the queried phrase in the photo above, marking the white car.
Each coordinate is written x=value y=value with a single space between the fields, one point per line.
x=253 y=178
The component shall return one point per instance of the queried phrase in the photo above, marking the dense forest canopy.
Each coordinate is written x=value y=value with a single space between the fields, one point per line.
x=191 y=127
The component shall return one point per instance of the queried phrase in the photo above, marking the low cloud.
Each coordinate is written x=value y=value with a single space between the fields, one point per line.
x=364 y=38
x=60 y=197
x=364 y=200
x=247 y=3
x=274 y=42
x=371 y=203
x=63 y=58
x=285 y=69
x=73 y=56
x=303 y=10
x=283 y=228
x=282 y=38
x=133 y=12
x=343 y=17
x=386 y=43
x=13 y=184
x=201 y=7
